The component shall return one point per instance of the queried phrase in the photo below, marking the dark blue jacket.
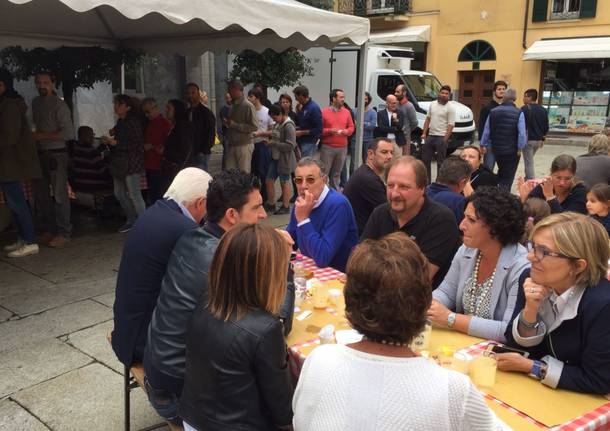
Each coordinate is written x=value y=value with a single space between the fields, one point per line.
x=384 y=128
x=504 y=130
x=581 y=343
x=143 y=264
x=310 y=118
x=536 y=121
x=444 y=195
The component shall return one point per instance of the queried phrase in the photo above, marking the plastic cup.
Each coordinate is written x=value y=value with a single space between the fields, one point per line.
x=333 y=296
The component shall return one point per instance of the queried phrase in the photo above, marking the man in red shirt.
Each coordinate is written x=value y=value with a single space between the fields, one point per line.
x=337 y=127
x=157 y=129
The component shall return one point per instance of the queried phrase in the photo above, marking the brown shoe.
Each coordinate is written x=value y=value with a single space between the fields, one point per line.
x=59 y=241
x=46 y=238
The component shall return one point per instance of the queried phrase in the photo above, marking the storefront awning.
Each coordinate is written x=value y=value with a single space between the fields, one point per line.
x=418 y=33
x=568 y=49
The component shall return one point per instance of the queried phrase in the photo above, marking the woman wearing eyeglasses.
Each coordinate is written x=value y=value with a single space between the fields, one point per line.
x=562 y=190
x=563 y=309
x=478 y=293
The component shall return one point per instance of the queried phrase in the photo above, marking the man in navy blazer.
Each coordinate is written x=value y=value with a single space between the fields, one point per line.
x=390 y=122
x=145 y=256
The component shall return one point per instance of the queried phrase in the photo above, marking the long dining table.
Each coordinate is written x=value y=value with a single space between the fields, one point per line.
x=518 y=400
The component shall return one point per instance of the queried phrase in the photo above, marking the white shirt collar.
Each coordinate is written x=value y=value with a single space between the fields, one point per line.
x=322 y=196
x=183 y=209
x=557 y=308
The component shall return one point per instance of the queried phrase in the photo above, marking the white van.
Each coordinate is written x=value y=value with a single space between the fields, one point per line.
x=387 y=67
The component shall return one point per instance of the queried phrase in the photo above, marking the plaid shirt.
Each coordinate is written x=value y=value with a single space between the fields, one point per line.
x=129 y=134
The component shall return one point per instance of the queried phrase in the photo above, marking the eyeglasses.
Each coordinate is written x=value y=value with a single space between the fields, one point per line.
x=540 y=252
x=308 y=180
x=566 y=179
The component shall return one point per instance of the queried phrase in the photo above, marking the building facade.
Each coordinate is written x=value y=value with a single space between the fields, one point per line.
x=559 y=47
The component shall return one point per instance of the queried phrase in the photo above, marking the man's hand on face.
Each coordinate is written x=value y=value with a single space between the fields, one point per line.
x=303 y=206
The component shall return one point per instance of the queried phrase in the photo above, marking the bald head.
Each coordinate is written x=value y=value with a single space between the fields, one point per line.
x=400 y=91
x=391 y=102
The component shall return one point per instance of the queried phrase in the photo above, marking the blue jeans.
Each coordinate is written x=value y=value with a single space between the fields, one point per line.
x=165 y=402
x=308 y=149
x=128 y=193
x=201 y=161
x=20 y=210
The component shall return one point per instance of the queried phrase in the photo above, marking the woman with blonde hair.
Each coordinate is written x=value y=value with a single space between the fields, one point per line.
x=236 y=357
x=562 y=315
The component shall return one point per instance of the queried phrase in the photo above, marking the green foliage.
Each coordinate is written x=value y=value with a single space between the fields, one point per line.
x=271 y=69
x=72 y=66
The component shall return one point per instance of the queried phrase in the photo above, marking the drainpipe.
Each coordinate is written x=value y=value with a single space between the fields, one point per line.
x=525 y=21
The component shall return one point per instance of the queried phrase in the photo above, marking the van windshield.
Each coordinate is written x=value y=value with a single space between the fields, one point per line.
x=425 y=88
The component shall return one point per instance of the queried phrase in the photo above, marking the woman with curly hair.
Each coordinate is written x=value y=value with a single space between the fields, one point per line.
x=376 y=383
x=479 y=292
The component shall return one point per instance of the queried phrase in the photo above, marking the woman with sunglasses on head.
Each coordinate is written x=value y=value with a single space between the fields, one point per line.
x=562 y=190
x=562 y=315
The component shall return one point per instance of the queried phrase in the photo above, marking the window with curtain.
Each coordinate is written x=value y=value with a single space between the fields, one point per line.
x=565 y=9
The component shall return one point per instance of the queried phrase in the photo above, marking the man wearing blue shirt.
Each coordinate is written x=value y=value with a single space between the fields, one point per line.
x=309 y=117
x=322 y=222
x=505 y=135
x=452 y=177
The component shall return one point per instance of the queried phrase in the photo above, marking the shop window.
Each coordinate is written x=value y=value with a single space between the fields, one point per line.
x=477 y=50
x=565 y=9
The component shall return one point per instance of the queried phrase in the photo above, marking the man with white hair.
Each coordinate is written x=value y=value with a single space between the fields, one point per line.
x=146 y=253
x=505 y=135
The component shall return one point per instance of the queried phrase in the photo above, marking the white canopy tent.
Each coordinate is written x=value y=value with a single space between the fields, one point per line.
x=569 y=49
x=187 y=27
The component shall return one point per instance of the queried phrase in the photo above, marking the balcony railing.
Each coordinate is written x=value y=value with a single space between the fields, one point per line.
x=365 y=8
x=372 y=8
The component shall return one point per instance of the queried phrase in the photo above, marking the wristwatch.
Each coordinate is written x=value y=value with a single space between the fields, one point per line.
x=538 y=370
x=451 y=320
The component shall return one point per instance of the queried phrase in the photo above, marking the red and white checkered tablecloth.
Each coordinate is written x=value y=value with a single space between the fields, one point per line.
x=322 y=274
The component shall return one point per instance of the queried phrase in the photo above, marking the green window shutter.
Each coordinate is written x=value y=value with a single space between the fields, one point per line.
x=588 y=8
x=540 y=10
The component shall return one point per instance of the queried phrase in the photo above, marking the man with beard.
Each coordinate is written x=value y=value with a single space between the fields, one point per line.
x=431 y=225
x=365 y=190
x=409 y=115
x=498 y=94
x=53 y=128
x=438 y=128
x=322 y=222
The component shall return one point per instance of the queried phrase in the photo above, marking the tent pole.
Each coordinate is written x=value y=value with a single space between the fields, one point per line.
x=122 y=78
x=362 y=64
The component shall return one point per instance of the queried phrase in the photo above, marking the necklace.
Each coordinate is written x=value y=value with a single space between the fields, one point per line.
x=476 y=289
x=386 y=342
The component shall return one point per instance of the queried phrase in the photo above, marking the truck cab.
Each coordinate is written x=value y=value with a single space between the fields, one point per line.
x=390 y=67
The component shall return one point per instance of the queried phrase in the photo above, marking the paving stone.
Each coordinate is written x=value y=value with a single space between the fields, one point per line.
x=34 y=299
x=15 y=417
x=85 y=258
x=45 y=360
x=108 y=298
x=13 y=278
x=89 y=398
x=93 y=342
x=50 y=324
x=5 y=314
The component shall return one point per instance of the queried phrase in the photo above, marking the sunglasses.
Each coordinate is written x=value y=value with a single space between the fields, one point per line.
x=308 y=180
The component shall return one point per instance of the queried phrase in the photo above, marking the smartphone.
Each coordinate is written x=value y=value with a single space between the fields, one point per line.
x=499 y=348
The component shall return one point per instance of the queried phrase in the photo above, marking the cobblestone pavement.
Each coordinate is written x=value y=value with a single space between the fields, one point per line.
x=57 y=371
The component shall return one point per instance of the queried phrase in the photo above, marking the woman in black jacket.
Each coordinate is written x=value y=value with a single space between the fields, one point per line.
x=480 y=176
x=236 y=357
x=178 y=149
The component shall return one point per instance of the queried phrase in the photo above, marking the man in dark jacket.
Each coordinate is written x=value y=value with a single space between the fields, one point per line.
x=204 y=124
x=537 y=123
x=145 y=256
x=18 y=162
x=452 y=177
x=390 y=122
x=498 y=94
x=505 y=136
x=233 y=197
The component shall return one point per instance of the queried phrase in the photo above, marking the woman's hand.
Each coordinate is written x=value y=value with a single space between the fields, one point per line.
x=547 y=188
x=524 y=187
x=438 y=313
x=513 y=362
x=468 y=190
x=534 y=294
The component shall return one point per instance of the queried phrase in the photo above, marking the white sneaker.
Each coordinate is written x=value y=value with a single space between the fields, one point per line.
x=24 y=250
x=15 y=246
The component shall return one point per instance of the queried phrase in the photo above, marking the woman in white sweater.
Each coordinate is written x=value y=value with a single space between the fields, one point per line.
x=379 y=383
